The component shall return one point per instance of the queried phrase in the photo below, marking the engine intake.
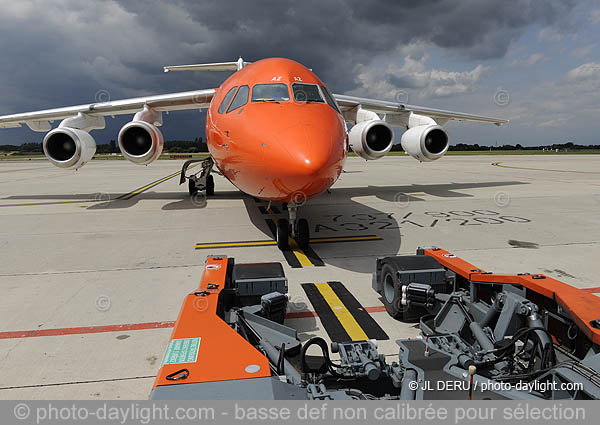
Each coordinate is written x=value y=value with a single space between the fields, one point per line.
x=69 y=147
x=425 y=142
x=371 y=139
x=140 y=142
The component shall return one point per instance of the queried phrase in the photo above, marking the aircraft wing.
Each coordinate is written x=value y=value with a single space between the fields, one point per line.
x=40 y=120
x=349 y=104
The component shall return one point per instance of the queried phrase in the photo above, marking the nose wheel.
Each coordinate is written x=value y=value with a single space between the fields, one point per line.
x=297 y=228
x=302 y=233
x=283 y=233
x=195 y=186
x=201 y=181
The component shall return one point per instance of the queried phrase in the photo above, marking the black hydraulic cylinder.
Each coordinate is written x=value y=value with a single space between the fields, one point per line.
x=481 y=337
x=371 y=371
x=491 y=314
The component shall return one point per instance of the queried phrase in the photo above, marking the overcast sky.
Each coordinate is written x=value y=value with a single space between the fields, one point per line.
x=536 y=63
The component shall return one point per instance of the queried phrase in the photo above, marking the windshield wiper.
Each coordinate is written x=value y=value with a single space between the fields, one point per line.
x=265 y=100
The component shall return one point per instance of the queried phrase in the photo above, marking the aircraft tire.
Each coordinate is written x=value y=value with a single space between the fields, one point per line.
x=303 y=233
x=210 y=185
x=391 y=292
x=283 y=232
x=192 y=187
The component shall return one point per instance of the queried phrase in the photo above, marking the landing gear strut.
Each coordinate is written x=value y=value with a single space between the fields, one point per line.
x=202 y=180
x=297 y=228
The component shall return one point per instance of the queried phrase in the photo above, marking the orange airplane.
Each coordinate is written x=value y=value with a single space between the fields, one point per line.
x=273 y=129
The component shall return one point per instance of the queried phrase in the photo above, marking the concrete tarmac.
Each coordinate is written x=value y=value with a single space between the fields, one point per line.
x=95 y=263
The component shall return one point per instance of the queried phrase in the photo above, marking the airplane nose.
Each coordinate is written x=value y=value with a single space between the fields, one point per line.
x=310 y=159
x=311 y=165
x=310 y=148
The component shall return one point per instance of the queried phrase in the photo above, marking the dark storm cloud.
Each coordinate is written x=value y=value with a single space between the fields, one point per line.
x=332 y=36
x=402 y=81
x=478 y=29
x=62 y=52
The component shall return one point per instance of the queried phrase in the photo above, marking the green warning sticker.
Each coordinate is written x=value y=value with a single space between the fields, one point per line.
x=182 y=351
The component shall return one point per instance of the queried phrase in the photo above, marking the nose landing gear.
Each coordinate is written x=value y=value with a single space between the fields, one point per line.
x=297 y=228
x=195 y=185
x=202 y=180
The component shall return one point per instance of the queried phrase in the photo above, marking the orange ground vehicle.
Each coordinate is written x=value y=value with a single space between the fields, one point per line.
x=230 y=342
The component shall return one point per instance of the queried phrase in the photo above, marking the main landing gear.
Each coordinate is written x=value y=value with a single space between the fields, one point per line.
x=200 y=181
x=297 y=228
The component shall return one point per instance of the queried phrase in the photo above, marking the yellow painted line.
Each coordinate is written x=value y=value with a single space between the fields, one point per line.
x=234 y=244
x=291 y=242
x=300 y=255
x=149 y=186
x=348 y=321
x=497 y=164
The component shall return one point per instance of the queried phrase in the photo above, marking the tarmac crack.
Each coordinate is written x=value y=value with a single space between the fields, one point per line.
x=123 y=269
x=10 y=350
x=57 y=384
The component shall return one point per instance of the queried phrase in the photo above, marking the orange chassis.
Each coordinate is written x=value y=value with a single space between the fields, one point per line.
x=582 y=307
x=222 y=354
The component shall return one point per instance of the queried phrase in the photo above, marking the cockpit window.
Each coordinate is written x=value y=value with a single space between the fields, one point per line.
x=240 y=99
x=329 y=99
x=306 y=93
x=225 y=103
x=270 y=93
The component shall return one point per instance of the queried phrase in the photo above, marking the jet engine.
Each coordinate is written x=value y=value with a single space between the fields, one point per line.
x=69 y=147
x=371 y=139
x=140 y=142
x=425 y=142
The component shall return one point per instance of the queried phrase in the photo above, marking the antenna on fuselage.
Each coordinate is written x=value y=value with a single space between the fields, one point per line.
x=217 y=66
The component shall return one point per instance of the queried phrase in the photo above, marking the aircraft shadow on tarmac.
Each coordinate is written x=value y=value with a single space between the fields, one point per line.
x=338 y=213
x=102 y=200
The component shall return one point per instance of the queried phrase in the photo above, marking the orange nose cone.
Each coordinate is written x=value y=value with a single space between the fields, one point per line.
x=310 y=161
